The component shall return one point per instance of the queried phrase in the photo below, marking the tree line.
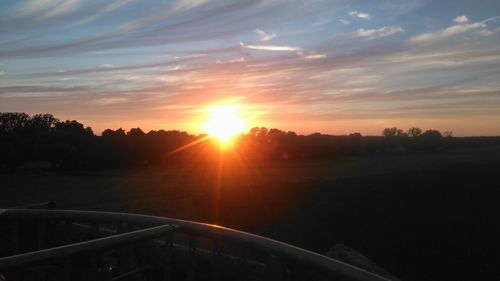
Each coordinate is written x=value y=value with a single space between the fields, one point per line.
x=44 y=140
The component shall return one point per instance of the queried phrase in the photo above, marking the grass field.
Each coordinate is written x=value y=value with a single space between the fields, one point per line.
x=421 y=216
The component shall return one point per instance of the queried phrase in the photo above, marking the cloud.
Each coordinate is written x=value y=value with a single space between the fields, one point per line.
x=60 y=9
x=238 y=60
x=44 y=9
x=185 y=5
x=376 y=33
x=108 y=8
x=32 y=7
x=263 y=36
x=322 y=21
x=113 y=67
x=109 y=65
x=462 y=27
x=110 y=100
x=185 y=54
x=461 y=19
x=315 y=56
x=271 y=48
x=344 y=21
x=40 y=91
x=2 y=72
x=360 y=15
x=202 y=23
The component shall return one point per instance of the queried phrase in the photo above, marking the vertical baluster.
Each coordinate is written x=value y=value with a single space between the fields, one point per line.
x=95 y=258
x=42 y=238
x=94 y=264
x=95 y=230
x=149 y=273
x=42 y=234
x=216 y=260
x=68 y=238
x=167 y=260
x=68 y=232
x=15 y=246
x=192 y=258
x=15 y=238
x=68 y=268
x=121 y=227
x=274 y=270
x=123 y=252
x=127 y=253
x=241 y=260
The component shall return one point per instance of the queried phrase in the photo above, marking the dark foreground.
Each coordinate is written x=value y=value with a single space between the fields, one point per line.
x=420 y=216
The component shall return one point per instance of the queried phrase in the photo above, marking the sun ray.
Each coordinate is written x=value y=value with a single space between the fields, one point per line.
x=186 y=146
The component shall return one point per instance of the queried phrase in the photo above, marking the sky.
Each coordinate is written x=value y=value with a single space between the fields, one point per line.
x=333 y=67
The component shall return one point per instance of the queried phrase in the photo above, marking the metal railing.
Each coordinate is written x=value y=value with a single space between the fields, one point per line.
x=153 y=248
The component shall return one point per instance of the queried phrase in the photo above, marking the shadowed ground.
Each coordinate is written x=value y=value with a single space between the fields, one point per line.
x=420 y=216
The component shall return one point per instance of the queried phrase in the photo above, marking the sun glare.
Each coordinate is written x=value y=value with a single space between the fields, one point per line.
x=224 y=123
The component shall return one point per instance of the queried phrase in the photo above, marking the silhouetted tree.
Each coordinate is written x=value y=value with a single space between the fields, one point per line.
x=73 y=144
x=70 y=145
x=390 y=132
x=13 y=122
x=431 y=140
x=135 y=132
x=434 y=134
x=254 y=131
x=262 y=132
x=414 y=132
x=43 y=122
x=275 y=133
x=110 y=134
x=394 y=132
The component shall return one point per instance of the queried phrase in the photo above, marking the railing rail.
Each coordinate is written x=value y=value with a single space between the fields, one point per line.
x=158 y=226
x=99 y=244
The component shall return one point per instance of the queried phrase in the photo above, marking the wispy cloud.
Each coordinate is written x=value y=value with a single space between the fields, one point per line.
x=271 y=48
x=185 y=5
x=344 y=21
x=263 y=36
x=132 y=62
x=376 y=33
x=108 y=8
x=61 y=8
x=315 y=56
x=462 y=26
x=461 y=19
x=322 y=21
x=44 y=9
x=110 y=100
x=360 y=15
x=150 y=30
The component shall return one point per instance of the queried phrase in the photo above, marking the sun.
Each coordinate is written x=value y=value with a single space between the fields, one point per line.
x=224 y=122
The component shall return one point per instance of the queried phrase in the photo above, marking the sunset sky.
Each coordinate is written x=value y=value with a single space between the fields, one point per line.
x=309 y=66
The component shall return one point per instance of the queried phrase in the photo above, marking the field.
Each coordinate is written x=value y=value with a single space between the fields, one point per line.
x=421 y=216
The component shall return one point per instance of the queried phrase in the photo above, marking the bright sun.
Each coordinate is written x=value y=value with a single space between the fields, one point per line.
x=224 y=122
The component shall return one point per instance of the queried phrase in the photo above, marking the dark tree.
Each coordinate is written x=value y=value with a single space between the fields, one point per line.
x=254 y=131
x=414 y=132
x=447 y=134
x=432 y=134
x=390 y=132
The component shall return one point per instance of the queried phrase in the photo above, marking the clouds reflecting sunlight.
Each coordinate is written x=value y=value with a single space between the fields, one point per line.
x=329 y=66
